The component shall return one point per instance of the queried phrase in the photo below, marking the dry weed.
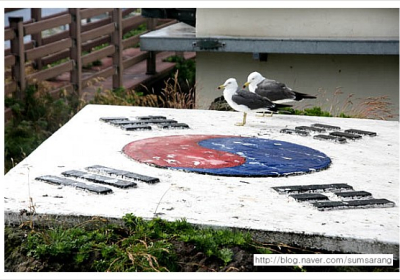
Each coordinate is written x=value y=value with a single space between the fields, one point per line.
x=172 y=96
x=340 y=105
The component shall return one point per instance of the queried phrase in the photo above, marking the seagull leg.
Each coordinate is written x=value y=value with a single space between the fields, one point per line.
x=244 y=120
x=266 y=115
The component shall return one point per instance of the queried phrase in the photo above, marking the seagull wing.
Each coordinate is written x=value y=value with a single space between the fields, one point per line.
x=251 y=100
x=274 y=90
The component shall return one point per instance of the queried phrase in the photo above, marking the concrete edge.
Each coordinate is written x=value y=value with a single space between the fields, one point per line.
x=314 y=242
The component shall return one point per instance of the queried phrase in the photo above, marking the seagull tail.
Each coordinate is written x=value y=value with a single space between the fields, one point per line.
x=300 y=96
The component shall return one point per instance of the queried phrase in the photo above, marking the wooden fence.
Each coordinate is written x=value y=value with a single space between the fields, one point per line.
x=83 y=42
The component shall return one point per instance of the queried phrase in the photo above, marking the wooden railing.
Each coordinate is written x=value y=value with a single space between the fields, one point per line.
x=72 y=49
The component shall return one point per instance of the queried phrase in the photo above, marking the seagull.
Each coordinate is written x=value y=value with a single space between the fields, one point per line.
x=246 y=101
x=275 y=91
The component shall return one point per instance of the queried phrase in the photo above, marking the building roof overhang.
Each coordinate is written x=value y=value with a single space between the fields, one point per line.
x=182 y=37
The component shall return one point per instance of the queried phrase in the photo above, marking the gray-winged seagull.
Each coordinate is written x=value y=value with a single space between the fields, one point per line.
x=246 y=101
x=275 y=91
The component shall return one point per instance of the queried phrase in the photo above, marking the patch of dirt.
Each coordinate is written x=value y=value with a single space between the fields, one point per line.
x=191 y=260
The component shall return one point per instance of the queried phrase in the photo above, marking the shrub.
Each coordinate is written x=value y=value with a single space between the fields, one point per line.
x=35 y=118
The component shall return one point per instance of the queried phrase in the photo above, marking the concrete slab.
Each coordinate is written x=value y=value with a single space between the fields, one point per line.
x=369 y=164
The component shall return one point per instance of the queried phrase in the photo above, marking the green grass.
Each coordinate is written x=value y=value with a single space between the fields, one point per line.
x=137 y=31
x=314 y=111
x=58 y=62
x=134 y=32
x=139 y=246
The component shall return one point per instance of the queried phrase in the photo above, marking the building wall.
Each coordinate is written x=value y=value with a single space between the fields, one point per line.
x=361 y=76
x=299 y=23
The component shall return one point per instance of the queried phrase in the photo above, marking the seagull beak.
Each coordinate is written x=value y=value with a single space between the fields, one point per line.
x=246 y=84
x=221 y=87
